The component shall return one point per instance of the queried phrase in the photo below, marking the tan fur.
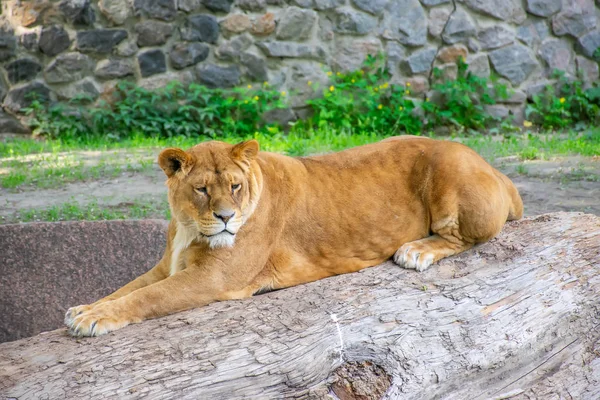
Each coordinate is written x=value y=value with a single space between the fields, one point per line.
x=296 y=220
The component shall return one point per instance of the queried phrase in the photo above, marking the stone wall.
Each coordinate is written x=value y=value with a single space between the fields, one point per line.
x=59 y=49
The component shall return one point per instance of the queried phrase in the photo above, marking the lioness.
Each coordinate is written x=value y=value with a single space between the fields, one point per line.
x=246 y=221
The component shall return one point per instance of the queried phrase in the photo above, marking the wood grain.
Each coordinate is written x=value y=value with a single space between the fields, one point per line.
x=514 y=318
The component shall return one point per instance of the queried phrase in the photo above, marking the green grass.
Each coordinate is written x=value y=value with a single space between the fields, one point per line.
x=29 y=163
x=59 y=167
x=296 y=143
x=75 y=211
x=533 y=146
x=53 y=163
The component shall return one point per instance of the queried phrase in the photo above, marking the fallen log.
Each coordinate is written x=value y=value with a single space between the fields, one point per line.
x=517 y=318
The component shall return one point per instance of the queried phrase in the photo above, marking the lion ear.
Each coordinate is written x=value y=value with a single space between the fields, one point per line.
x=245 y=150
x=175 y=160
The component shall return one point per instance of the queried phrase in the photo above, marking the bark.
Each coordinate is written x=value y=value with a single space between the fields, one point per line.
x=517 y=318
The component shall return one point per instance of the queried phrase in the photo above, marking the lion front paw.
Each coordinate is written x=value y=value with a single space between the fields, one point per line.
x=413 y=256
x=95 y=320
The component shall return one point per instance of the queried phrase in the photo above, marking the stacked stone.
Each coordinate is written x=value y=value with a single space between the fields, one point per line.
x=63 y=49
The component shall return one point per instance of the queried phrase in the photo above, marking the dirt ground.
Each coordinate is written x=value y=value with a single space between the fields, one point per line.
x=560 y=184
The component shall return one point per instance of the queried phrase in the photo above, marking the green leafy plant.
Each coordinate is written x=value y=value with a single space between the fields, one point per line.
x=193 y=110
x=354 y=103
x=573 y=104
x=461 y=102
x=364 y=100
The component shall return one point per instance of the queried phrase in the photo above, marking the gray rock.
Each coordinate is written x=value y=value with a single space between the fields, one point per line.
x=256 y=67
x=431 y=3
x=421 y=60
x=513 y=62
x=448 y=72
x=295 y=24
x=78 y=12
x=303 y=3
x=9 y=124
x=349 y=53
x=183 y=55
x=406 y=22
x=100 y=40
x=127 y=48
x=538 y=87
x=515 y=97
x=54 y=40
x=231 y=50
x=29 y=41
x=497 y=111
x=589 y=43
x=68 y=67
x=8 y=45
x=152 y=62
x=534 y=33
x=544 y=8
x=189 y=5
x=279 y=116
x=153 y=33
x=506 y=10
x=3 y=87
x=116 y=11
x=395 y=53
x=460 y=27
x=252 y=5
x=22 y=69
x=86 y=89
x=437 y=20
x=160 y=81
x=218 y=5
x=323 y=5
x=214 y=76
x=494 y=37
x=350 y=21
x=22 y=96
x=479 y=65
x=113 y=69
x=325 y=31
x=165 y=10
x=558 y=54
x=374 y=7
x=200 y=28
x=473 y=45
x=577 y=18
x=587 y=70
x=276 y=2
x=299 y=75
x=292 y=50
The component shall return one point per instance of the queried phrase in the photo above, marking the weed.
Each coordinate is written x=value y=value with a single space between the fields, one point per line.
x=573 y=105
x=522 y=169
x=529 y=153
x=461 y=102
x=75 y=211
x=363 y=100
x=175 y=110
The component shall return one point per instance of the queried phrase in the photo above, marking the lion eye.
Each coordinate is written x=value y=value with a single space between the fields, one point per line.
x=201 y=190
x=235 y=187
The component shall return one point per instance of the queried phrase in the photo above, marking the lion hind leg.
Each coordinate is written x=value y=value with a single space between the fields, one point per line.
x=420 y=254
x=446 y=241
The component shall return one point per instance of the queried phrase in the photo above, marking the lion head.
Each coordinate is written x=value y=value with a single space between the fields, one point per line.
x=213 y=189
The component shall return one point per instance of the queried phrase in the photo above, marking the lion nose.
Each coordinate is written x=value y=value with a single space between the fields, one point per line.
x=224 y=216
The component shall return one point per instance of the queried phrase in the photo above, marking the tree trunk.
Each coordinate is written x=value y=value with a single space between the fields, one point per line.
x=517 y=318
